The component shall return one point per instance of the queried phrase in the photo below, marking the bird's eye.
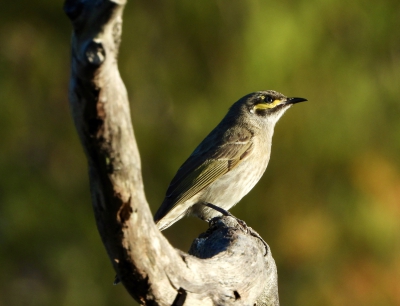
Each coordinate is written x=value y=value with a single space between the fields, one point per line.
x=269 y=99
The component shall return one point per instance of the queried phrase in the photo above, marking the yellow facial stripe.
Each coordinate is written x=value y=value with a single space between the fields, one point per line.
x=267 y=105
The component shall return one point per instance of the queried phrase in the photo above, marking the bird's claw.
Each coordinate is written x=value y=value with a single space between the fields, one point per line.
x=243 y=224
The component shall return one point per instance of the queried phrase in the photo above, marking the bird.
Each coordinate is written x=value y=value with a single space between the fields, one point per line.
x=228 y=163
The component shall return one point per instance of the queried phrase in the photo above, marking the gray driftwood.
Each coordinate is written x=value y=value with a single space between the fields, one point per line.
x=227 y=265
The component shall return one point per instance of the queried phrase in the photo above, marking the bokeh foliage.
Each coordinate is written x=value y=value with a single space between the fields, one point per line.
x=329 y=203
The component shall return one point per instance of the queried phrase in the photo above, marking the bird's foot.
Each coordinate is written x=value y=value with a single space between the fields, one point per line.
x=243 y=224
x=116 y=280
x=257 y=235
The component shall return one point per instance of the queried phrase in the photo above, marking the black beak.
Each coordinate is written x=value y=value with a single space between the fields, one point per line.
x=295 y=100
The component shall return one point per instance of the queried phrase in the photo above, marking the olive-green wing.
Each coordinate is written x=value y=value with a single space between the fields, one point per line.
x=205 y=166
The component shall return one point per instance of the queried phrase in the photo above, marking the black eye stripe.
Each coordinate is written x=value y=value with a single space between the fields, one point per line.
x=269 y=99
x=265 y=99
x=261 y=112
x=269 y=111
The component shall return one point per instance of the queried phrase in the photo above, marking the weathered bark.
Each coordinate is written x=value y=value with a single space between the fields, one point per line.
x=228 y=266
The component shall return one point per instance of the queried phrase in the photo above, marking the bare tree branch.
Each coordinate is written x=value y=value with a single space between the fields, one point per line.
x=228 y=266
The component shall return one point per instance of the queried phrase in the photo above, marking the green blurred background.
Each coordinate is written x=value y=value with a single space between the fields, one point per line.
x=329 y=203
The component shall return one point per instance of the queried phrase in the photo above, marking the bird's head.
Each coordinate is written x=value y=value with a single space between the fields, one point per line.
x=264 y=106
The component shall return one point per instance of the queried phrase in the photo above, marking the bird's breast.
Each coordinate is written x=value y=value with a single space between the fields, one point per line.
x=230 y=188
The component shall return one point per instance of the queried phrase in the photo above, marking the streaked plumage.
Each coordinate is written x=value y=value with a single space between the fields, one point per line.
x=228 y=162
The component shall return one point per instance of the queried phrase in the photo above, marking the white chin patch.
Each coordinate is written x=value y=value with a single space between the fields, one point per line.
x=278 y=114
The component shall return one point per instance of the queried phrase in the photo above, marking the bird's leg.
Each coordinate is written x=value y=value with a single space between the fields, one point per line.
x=227 y=213
x=240 y=222
x=116 y=280
x=219 y=209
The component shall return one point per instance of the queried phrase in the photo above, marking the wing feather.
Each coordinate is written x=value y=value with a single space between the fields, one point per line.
x=205 y=166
